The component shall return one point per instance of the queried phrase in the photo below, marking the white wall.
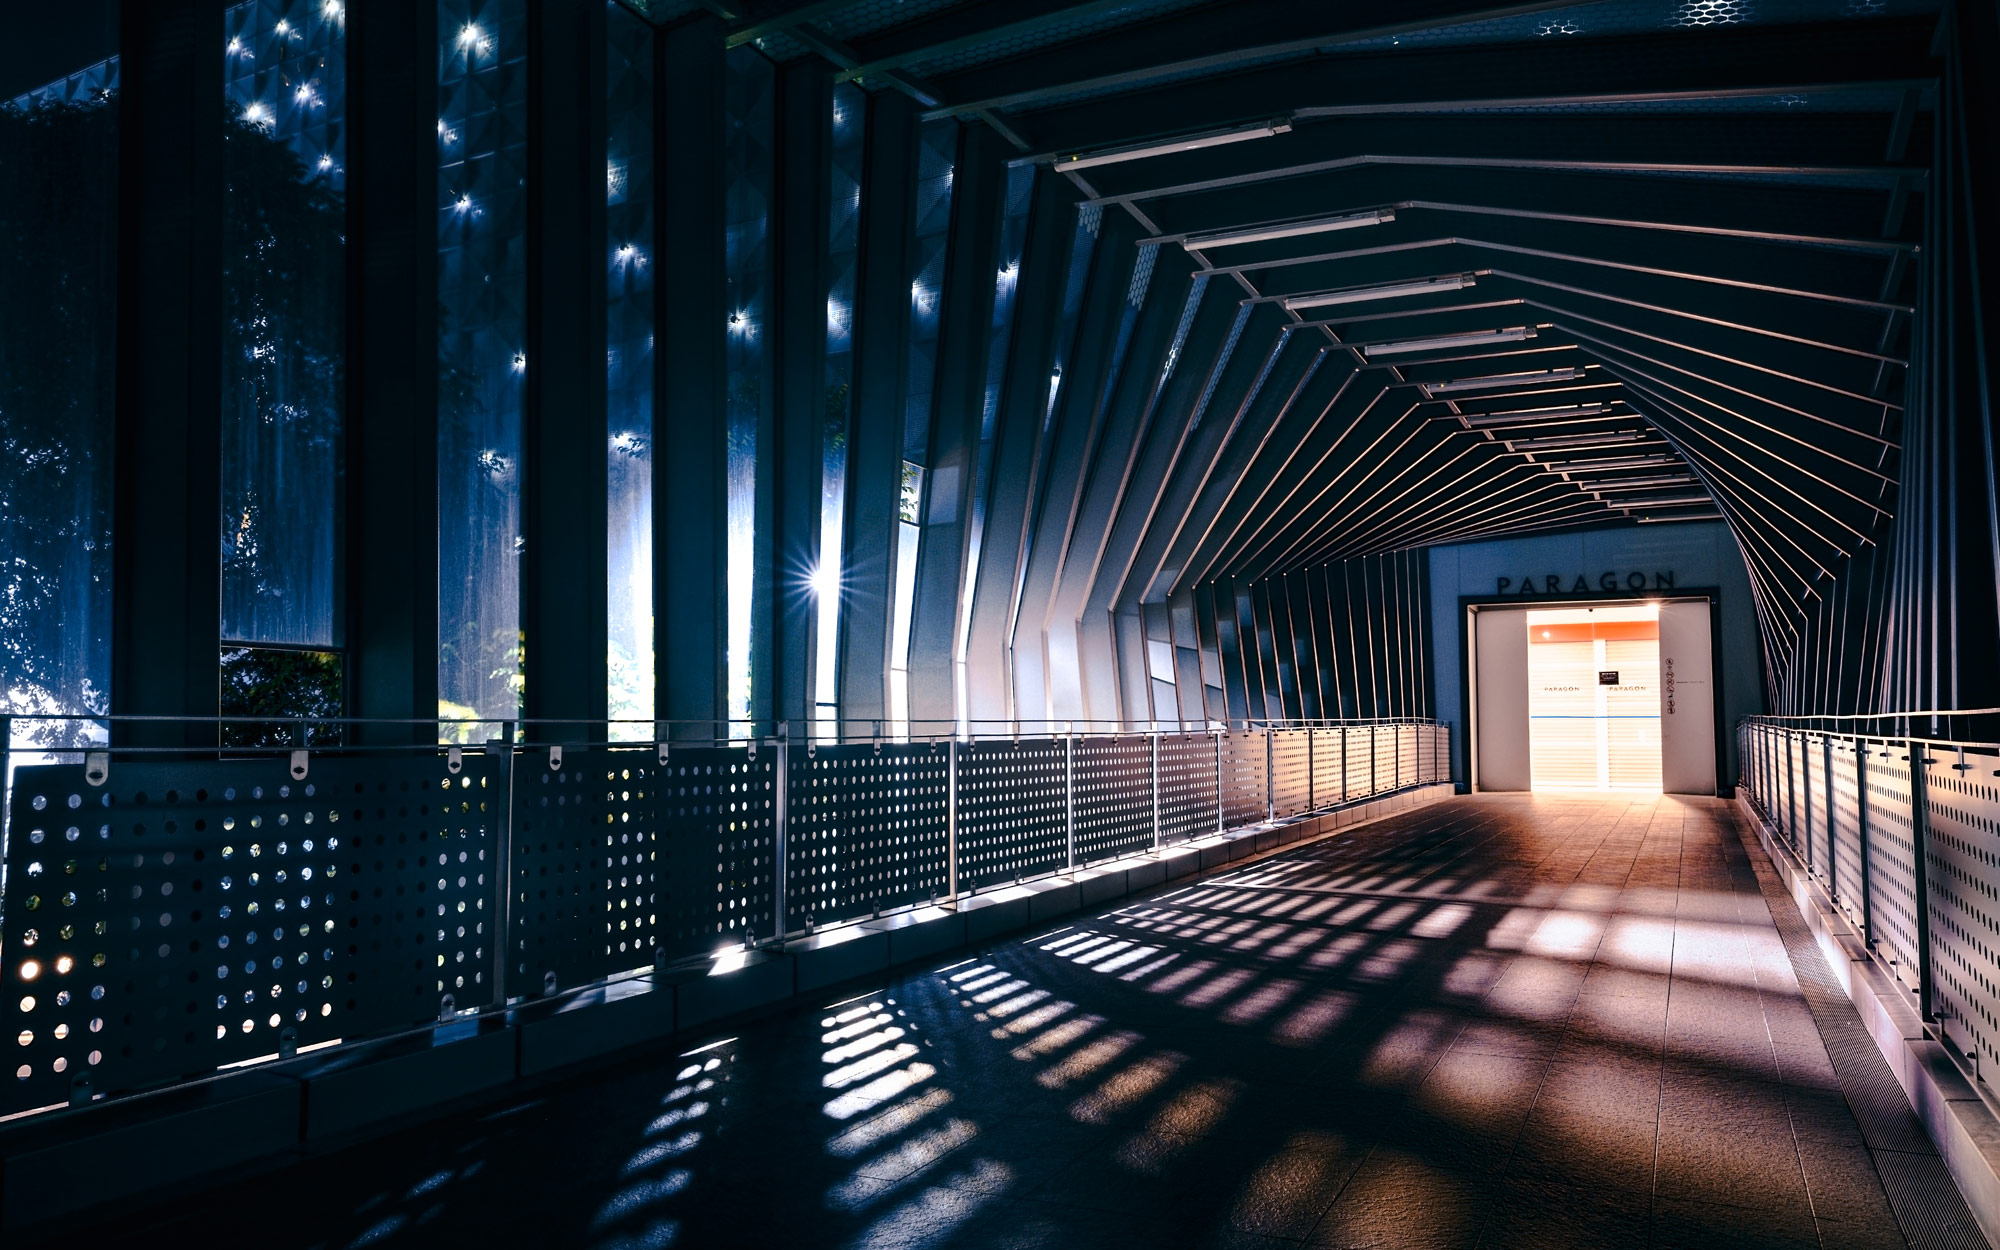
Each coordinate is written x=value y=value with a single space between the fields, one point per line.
x=1699 y=556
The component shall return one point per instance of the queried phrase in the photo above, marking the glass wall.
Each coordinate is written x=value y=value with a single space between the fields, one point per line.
x=850 y=128
x=629 y=364
x=749 y=168
x=482 y=358
x=937 y=156
x=58 y=291
x=284 y=308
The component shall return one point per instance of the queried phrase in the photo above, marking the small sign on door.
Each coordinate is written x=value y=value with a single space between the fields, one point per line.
x=1607 y=676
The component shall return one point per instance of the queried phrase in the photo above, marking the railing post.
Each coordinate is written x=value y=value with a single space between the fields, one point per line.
x=1343 y=763
x=1069 y=799
x=1156 y=791
x=951 y=822
x=1221 y=801
x=1832 y=831
x=781 y=826
x=1920 y=836
x=503 y=864
x=1270 y=777
x=1791 y=798
x=1861 y=840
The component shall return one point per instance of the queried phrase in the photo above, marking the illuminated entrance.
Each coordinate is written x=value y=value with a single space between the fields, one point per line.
x=1594 y=698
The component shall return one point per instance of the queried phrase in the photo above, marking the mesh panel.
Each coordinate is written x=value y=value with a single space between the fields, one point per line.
x=591 y=878
x=1406 y=755
x=1820 y=832
x=1244 y=767
x=1360 y=762
x=1385 y=758
x=1291 y=771
x=185 y=915
x=1012 y=820
x=1114 y=797
x=1328 y=783
x=1962 y=894
x=867 y=830
x=1892 y=874
x=1846 y=821
x=1188 y=807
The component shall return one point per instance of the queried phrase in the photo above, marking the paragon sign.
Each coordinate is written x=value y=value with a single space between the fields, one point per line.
x=1581 y=584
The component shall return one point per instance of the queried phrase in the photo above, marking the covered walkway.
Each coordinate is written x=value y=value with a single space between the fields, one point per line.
x=1496 y=1021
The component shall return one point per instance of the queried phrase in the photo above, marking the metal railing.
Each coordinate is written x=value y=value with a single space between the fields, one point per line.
x=1903 y=833
x=168 y=909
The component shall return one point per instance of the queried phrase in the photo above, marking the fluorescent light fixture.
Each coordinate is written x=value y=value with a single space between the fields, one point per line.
x=1678 y=502
x=1167 y=147
x=1391 y=290
x=1289 y=229
x=1638 y=483
x=1661 y=461
x=1498 y=381
x=1553 y=442
x=1524 y=416
x=1445 y=342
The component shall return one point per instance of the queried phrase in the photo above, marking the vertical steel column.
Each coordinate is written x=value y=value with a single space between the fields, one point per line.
x=1920 y=830
x=780 y=824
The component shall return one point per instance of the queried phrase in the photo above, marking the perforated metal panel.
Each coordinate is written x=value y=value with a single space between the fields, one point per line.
x=1892 y=874
x=1803 y=807
x=867 y=829
x=1189 y=802
x=717 y=812
x=186 y=915
x=1406 y=752
x=1385 y=758
x=1113 y=784
x=1291 y=771
x=1820 y=849
x=1012 y=810
x=1328 y=780
x=1245 y=774
x=1360 y=762
x=1845 y=817
x=1962 y=894
x=592 y=878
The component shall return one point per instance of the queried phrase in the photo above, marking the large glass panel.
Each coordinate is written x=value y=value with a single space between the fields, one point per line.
x=748 y=168
x=58 y=293
x=937 y=155
x=850 y=128
x=284 y=306
x=482 y=359
x=628 y=231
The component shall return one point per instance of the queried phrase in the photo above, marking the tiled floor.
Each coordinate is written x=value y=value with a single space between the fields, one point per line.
x=1501 y=1021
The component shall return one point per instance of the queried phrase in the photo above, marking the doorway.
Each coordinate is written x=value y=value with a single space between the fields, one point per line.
x=1594 y=698
x=1604 y=696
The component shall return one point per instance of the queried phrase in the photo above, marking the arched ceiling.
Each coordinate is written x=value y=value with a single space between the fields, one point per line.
x=1468 y=269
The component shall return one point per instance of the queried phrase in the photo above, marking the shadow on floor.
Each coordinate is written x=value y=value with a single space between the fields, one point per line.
x=1500 y=1021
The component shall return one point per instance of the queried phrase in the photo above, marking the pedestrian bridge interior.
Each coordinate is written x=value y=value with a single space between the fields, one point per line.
x=1038 y=623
